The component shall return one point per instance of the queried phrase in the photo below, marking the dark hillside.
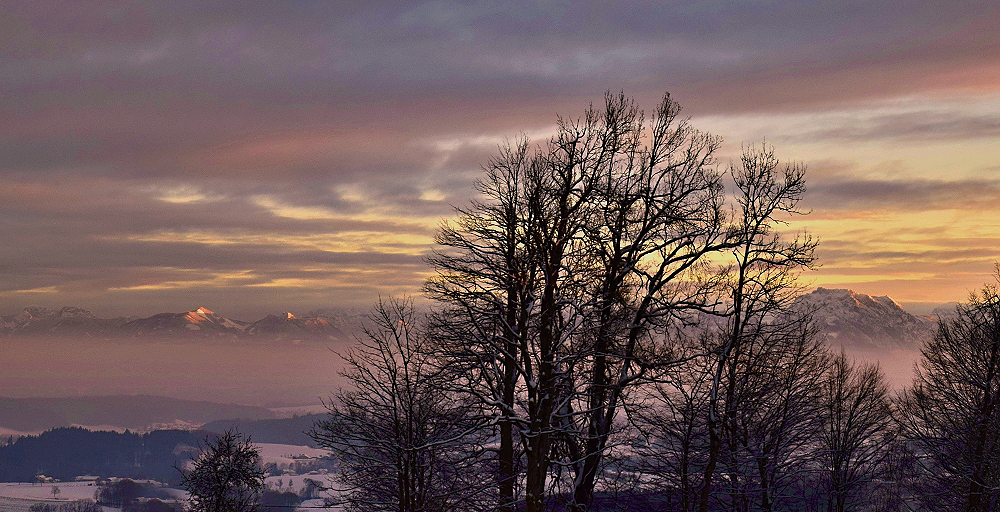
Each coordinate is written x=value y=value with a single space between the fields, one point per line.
x=64 y=453
x=282 y=431
x=138 y=412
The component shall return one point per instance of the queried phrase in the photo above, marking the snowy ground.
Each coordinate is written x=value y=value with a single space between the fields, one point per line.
x=286 y=453
x=18 y=497
x=68 y=491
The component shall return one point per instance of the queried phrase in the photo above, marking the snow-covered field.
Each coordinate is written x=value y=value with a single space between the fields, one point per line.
x=18 y=497
x=68 y=491
x=287 y=453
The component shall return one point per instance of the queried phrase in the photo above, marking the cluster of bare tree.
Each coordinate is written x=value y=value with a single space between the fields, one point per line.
x=612 y=331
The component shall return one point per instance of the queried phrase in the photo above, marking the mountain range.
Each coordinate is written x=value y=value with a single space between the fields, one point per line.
x=846 y=318
x=857 y=322
x=199 y=322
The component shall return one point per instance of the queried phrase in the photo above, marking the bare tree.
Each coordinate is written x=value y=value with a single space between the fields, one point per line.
x=951 y=413
x=400 y=440
x=673 y=446
x=226 y=477
x=858 y=431
x=771 y=412
x=566 y=276
x=486 y=280
x=658 y=215
x=762 y=281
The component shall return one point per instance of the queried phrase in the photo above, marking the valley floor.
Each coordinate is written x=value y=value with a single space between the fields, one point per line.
x=19 y=497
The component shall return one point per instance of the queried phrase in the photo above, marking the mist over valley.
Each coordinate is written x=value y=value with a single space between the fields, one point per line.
x=283 y=361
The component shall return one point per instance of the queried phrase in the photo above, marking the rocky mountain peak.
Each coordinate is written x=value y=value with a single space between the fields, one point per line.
x=859 y=320
x=74 y=312
x=35 y=313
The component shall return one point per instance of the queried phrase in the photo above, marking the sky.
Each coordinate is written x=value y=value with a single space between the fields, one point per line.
x=260 y=157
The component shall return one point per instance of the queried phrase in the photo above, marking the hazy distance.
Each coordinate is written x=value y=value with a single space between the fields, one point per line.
x=244 y=372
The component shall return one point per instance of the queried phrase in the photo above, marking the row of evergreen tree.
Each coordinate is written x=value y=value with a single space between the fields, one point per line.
x=68 y=452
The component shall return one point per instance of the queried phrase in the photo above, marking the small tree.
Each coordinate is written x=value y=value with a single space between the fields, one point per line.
x=55 y=491
x=226 y=477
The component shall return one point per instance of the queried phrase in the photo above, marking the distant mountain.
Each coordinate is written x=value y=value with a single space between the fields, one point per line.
x=846 y=317
x=946 y=312
x=198 y=323
x=139 y=412
x=289 y=326
x=201 y=321
x=36 y=320
x=856 y=320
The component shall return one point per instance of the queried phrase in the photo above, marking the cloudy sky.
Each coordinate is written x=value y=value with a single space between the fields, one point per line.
x=270 y=156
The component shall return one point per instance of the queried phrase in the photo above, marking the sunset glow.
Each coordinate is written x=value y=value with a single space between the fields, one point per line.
x=155 y=158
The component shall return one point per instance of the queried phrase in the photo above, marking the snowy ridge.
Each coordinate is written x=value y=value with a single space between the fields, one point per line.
x=857 y=320
x=199 y=322
x=67 y=320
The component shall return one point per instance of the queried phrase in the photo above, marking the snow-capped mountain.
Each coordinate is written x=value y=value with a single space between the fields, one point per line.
x=289 y=326
x=202 y=321
x=37 y=320
x=946 y=312
x=856 y=320
x=197 y=323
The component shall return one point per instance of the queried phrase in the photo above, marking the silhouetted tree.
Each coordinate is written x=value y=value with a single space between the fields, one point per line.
x=557 y=289
x=226 y=477
x=761 y=284
x=952 y=416
x=858 y=432
x=400 y=441
x=274 y=500
x=119 y=493
x=772 y=417
x=487 y=278
x=673 y=445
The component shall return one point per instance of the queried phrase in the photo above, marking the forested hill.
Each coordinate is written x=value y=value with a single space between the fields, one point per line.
x=135 y=412
x=65 y=453
x=282 y=431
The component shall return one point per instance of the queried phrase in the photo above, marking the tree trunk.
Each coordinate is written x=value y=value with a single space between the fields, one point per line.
x=765 y=496
x=714 y=445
